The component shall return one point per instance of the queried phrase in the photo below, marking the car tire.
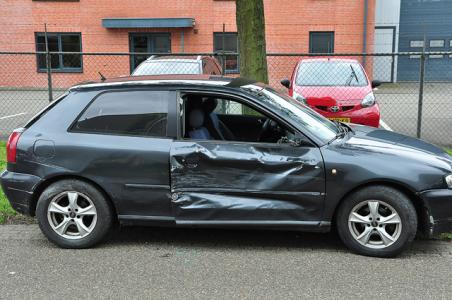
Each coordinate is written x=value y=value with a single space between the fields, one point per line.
x=377 y=221
x=74 y=214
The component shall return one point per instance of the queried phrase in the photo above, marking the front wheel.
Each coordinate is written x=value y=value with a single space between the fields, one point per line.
x=74 y=214
x=377 y=221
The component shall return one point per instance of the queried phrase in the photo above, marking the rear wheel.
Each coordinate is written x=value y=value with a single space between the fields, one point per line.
x=377 y=221
x=74 y=214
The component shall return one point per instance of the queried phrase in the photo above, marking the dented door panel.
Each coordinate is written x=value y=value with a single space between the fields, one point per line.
x=212 y=180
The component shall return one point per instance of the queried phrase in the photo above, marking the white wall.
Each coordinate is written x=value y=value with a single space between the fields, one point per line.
x=387 y=13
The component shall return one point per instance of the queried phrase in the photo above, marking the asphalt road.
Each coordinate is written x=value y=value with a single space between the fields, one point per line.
x=160 y=263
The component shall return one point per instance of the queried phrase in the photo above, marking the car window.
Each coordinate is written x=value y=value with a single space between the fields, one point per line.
x=170 y=67
x=140 y=113
x=228 y=107
x=330 y=73
x=46 y=109
x=217 y=69
x=210 y=67
x=219 y=118
x=308 y=119
x=206 y=66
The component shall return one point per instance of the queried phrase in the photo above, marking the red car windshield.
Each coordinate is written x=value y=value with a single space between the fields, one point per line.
x=330 y=73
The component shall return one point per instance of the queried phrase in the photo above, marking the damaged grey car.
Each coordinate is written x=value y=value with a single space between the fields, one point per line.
x=200 y=151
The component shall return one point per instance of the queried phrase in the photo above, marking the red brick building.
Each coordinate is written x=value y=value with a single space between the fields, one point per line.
x=299 y=26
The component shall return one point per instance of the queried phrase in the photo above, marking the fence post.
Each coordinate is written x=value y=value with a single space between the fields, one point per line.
x=421 y=95
x=223 y=58
x=48 y=66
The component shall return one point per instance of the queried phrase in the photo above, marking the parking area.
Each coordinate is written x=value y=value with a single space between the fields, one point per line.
x=399 y=109
x=18 y=106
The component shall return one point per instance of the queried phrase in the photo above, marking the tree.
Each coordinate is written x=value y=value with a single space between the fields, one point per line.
x=251 y=34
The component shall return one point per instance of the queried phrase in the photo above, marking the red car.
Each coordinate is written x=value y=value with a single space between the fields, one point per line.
x=339 y=89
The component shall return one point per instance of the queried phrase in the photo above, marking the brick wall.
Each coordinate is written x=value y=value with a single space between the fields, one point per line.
x=288 y=23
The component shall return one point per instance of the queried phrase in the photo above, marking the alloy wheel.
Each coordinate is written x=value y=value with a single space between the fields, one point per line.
x=72 y=215
x=375 y=224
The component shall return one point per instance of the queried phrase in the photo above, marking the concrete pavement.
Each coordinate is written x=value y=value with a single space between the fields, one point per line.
x=399 y=109
x=186 y=263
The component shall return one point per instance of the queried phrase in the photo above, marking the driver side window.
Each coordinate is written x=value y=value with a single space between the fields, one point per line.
x=209 y=117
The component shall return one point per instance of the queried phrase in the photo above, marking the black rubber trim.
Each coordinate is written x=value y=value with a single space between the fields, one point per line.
x=147 y=186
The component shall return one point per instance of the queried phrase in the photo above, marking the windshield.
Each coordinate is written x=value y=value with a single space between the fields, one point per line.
x=167 y=68
x=330 y=73
x=310 y=120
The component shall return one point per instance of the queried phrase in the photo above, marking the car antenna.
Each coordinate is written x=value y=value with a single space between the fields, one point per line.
x=102 y=77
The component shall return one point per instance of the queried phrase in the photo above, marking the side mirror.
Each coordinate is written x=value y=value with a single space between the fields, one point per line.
x=376 y=83
x=286 y=83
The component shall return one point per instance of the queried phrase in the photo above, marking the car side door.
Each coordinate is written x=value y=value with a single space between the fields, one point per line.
x=218 y=182
x=122 y=141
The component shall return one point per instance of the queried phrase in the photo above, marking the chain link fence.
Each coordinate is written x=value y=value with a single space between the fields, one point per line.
x=414 y=97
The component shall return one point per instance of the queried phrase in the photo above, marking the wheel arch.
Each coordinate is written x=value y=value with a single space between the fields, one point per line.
x=421 y=209
x=46 y=183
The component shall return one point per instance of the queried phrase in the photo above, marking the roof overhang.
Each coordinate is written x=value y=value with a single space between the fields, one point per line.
x=148 y=22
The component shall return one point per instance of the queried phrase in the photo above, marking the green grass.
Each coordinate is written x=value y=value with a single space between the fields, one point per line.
x=447 y=236
x=449 y=151
x=5 y=209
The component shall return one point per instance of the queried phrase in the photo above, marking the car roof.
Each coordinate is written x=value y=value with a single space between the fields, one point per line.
x=177 y=58
x=200 y=80
x=329 y=59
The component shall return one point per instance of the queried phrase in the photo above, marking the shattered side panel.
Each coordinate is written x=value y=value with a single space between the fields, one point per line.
x=238 y=181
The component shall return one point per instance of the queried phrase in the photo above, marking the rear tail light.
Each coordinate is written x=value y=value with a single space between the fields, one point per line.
x=11 y=146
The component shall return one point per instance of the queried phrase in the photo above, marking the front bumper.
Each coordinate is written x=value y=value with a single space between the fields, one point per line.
x=19 y=189
x=369 y=116
x=439 y=205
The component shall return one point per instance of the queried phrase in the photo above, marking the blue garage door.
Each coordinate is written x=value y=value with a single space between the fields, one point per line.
x=425 y=25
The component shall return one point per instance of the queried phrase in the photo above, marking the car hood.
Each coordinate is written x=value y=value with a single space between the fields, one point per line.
x=338 y=94
x=389 y=142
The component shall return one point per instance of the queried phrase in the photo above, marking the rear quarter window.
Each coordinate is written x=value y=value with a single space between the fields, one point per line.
x=136 y=113
x=46 y=109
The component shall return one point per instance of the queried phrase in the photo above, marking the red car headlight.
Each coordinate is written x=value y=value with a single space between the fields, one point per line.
x=369 y=100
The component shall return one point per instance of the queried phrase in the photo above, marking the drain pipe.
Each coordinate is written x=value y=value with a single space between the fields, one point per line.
x=182 y=41
x=366 y=6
